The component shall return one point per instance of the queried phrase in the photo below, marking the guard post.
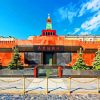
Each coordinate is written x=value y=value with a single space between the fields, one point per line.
x=60 y=71
x=35 y=71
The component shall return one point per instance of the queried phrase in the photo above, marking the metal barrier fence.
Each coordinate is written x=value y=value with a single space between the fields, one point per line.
x=29 y=85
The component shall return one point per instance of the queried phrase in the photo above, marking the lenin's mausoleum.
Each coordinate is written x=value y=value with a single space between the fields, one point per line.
x=49 y=48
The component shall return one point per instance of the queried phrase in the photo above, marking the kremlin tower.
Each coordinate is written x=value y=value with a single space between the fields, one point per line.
x=48 y=31
x=49 y=23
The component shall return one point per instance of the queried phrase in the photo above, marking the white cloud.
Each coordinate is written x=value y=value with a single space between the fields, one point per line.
x=68 y=12
x=93 y=23
x=84 y=33
x=93 y=5
x=63 y=12
x=71 y=11
x=76 y=30
x=83 y=10
x=71 y=15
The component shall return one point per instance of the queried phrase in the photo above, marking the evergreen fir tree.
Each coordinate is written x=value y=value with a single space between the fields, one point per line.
x=96 y=63
x=80 y=63
x=16 y=63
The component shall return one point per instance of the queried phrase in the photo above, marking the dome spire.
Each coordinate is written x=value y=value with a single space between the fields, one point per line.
x=48 y=16
x=49 y=24
x=48 y=19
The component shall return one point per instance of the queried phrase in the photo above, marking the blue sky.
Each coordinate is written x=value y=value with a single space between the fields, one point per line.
x=22 y=18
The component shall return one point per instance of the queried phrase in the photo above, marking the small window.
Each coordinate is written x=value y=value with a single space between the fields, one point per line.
x=45 y=33
x=91 y=40
x=80 y=39
x=48 y=33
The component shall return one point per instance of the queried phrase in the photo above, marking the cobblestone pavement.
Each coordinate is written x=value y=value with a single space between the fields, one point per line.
x=49 y=97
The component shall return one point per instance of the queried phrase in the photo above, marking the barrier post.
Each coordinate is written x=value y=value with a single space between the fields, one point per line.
x=69 y=85
x=47 y=86
x=98 y=86
x=59 y=71
x=35 y=71
x=24 y=85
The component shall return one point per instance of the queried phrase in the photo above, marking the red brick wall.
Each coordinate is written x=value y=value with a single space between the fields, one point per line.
x=5 y=58
x=87 y=57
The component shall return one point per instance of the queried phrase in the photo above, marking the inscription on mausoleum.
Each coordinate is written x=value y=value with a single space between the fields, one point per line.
x=49 y=48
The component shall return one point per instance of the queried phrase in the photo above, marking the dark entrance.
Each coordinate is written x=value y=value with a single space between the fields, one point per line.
x=48 y=58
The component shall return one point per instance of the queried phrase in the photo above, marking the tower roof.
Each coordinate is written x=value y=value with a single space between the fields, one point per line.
x=49 y=19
